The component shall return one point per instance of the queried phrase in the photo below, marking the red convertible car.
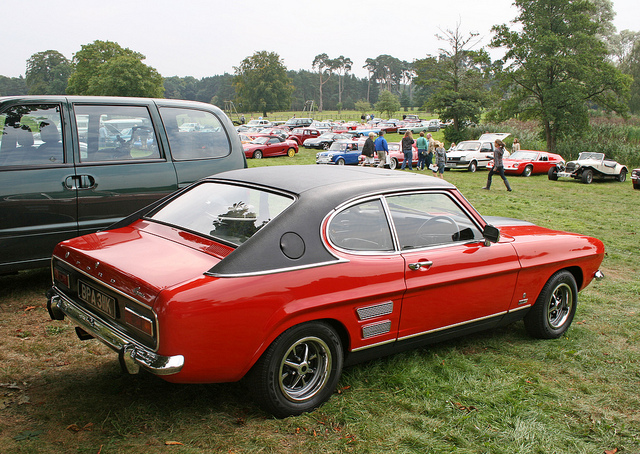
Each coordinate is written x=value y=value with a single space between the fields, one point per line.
x=267 y=146
x=251 y=273
x=528 y=162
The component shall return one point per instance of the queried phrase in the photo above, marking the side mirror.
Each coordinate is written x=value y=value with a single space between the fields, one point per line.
x=491 y=234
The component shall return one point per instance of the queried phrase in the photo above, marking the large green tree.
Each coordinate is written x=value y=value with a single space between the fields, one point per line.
x=456 y=81
x=47 y=73
x=556 y=66
x=104 y=68
x=262 y=84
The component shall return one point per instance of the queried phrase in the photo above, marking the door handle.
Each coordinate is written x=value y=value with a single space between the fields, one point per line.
x=75 y=182
x=421 y=264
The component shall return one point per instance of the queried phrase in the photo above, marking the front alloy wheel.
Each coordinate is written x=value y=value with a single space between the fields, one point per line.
x=473 y=166
x=299 y=371
x=553 y=311
x=291 y=152
x=587 y=176
x=257 y=154
x=528 y=170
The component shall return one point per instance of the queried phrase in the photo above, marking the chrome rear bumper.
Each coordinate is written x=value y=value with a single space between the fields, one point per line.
x=132 y=354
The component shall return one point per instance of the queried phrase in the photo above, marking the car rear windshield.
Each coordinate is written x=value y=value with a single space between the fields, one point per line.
x=229 y=213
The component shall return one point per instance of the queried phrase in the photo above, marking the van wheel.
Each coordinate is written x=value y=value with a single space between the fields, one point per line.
x=299 y=371
x=257 y=154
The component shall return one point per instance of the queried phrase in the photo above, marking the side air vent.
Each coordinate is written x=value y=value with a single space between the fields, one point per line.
x=378 y=310
x=376 y=329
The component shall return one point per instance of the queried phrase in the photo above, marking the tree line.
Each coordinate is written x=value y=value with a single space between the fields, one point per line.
x=562 y=60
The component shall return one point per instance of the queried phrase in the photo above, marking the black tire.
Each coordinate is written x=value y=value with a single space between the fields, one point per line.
x=473 y=166
x=299 y=371
x=553 y=311
x=257 y=154
x=623 y=176
x=326 y=145
x=587 y=176
x=528 y=170
x=553 y=173
x=340 y=162
x=636 y=185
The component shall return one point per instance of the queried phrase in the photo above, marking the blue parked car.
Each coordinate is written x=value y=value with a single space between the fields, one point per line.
x=341 y=152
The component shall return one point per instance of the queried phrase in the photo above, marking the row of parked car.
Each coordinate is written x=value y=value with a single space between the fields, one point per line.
x=342 y=143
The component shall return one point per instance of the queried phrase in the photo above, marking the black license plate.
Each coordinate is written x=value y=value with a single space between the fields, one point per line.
x=97 y=299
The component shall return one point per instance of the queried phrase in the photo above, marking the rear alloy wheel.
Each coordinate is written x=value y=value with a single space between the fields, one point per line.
x=257 y=154
x=553 y=311
x=473 y=166
x=623 y=176
x=299 y=371
x=587 y=176
x=291 y=152
x=528 y=170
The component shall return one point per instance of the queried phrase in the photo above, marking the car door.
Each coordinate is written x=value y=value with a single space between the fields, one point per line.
x=117 y=172
x=37 y=207
x=453 y=279
x=485 y=153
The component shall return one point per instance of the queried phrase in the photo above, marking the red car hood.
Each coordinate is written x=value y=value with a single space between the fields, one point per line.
x=142 y=259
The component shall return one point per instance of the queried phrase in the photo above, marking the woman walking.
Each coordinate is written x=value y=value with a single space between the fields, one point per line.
x=498 y=166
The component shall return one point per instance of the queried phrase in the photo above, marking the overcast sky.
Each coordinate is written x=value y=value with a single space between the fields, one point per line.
x=208 y=37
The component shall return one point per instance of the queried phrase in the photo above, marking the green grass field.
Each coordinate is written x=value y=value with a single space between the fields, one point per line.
x=495 y=392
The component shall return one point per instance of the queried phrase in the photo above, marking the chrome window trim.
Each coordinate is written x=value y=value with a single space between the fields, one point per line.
x=396 y=242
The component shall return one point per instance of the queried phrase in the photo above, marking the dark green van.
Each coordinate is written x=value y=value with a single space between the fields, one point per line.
x=74 y=165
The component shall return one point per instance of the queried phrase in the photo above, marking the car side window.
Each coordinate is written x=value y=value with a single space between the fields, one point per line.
x=362 y=227
x=31 y=135
x=115 y=133
x=430 y=219
x=194 y=134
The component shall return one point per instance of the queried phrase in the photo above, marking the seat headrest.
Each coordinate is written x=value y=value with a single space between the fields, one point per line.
x=25 y=137
x=49 y=132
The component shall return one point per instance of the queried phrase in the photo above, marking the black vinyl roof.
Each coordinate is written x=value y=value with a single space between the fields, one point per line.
x=319 y=190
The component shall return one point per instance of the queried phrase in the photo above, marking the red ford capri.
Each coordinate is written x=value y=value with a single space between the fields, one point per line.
x=287 y=274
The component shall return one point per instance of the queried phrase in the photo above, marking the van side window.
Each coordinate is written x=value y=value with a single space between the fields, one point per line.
x=194 y=134
x=31 y=135
x=115 y=133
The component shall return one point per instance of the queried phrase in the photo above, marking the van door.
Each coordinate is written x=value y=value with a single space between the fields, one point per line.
x=37 y=198
x=120 y=166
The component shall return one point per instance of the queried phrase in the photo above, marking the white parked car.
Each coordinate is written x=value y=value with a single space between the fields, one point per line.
x=474 y=154
x=588 y=166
